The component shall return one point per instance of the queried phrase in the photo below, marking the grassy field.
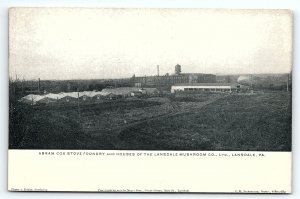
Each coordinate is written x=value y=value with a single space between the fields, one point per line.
x=236 y=122
x=261 y=121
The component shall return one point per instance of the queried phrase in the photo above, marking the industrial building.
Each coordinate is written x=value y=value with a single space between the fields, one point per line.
x=168 y=80
x=202 y=87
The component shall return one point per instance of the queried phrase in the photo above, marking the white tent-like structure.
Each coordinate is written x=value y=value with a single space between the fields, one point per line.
x=71 y=96
x=31 y=99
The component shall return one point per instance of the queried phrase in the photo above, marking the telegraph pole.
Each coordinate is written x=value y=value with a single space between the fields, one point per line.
x=287 y=83
x=39 y=85
x=78 y=106
x=23 y=80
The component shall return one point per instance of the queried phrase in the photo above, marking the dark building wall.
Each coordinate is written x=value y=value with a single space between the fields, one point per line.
x=174 y=79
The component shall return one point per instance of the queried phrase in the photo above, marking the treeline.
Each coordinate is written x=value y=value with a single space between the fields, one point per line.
x=21 y=88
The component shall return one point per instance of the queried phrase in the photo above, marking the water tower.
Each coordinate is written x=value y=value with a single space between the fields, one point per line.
x=177 y=69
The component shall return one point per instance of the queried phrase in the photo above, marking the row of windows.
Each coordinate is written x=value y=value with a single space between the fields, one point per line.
x=206 y=89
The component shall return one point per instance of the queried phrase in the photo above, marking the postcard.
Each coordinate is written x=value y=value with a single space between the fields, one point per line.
x=150 y=100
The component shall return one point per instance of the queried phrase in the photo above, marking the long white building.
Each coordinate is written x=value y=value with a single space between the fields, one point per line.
x=213 y=87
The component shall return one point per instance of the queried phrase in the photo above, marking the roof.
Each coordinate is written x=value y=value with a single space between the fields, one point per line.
x=46 y=99
x=72 y=94
x=149 y=89
x=196 y=74
x=119 y=91
x=206 y=84
x=89 y=93
x=32 y=97
x=52 y=96
x=104 y=92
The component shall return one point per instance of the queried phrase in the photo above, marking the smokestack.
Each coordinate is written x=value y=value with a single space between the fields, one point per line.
x=39 y=85
x=158 y=70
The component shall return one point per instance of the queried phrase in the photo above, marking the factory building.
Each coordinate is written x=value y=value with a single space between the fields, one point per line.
x=168 y=80
x=205 y=87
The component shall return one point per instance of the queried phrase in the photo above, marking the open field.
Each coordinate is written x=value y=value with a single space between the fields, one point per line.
x=261 y=121
x=256 y=122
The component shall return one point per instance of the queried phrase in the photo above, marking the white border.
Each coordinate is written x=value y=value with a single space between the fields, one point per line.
x=4 y=4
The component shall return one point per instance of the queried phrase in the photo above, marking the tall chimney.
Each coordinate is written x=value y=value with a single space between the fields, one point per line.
x=39 y=85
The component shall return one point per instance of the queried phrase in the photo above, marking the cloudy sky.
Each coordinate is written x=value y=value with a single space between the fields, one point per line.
x=77 y=43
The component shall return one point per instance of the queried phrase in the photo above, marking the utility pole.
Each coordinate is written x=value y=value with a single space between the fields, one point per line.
x=78 y=106
x=287 y=83
x=39 y=85
x=23 y=80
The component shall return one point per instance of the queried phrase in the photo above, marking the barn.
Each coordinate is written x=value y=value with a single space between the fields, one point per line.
x=205 y=87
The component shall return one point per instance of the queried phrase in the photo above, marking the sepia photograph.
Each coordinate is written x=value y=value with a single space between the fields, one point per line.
x=150 y=79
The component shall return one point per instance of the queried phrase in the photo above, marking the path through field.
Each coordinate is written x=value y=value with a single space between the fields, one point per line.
x=178 y=108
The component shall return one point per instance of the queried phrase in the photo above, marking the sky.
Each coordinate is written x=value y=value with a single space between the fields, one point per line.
x=74 y=43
